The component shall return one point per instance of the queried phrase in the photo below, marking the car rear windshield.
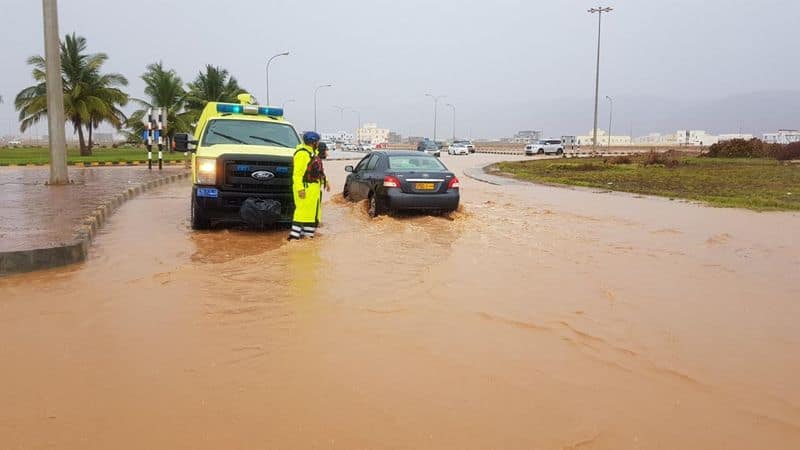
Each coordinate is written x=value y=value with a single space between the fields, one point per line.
x=414 y=163
x=250 y=132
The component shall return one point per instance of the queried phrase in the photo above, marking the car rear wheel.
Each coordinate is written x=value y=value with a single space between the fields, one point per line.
x=560 y=151
x=541 y=151
x=375 y=209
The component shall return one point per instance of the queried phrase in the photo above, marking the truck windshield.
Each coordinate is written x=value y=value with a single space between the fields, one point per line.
x=249 y=132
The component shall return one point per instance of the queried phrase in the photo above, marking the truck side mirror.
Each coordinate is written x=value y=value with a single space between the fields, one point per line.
x=348 y=169
x=182 y=142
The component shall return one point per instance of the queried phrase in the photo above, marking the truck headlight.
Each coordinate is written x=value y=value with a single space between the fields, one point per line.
x=206 y=170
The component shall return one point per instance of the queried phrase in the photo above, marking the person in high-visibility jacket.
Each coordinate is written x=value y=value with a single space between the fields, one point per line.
x=308 y=179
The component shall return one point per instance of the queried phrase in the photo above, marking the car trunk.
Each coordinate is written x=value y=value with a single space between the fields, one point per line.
x=424 y=182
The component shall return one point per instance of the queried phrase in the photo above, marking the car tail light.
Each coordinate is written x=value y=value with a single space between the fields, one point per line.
x=391 y=182
x=453 y=184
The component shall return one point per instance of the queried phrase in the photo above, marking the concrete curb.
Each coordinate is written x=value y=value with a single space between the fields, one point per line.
x=100 y=164
x=568 y=154
x=479 y=174
x=45 y=258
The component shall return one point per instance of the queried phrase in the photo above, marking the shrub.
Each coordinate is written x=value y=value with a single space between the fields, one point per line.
x=737 y=148
x=624 y=159
x=785 y=152
x=666 y=159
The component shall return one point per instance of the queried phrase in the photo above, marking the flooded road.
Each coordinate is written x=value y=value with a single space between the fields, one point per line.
x=536 y=317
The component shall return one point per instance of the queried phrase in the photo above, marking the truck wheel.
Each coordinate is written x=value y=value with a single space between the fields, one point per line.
x=559 y=151
x=199 y=221
x=541 y=151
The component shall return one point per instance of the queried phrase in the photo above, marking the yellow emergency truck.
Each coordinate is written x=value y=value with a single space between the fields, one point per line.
x=241 y=164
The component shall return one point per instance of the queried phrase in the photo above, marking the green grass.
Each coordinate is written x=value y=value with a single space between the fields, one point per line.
x=41 y=155
x=757 y=184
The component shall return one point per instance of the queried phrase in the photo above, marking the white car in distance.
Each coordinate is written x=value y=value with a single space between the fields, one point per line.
x=545 y=147
x=458 y=148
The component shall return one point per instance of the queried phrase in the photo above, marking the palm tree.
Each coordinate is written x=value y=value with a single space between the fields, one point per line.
x=90 y=97
x=102 y=88
x=213 y=85
x=164 y=89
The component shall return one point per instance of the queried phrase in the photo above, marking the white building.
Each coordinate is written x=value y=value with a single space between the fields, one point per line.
x=732 y=136
x=782 y=137
x=371 y=134
x=603 y=139
x=695 y=138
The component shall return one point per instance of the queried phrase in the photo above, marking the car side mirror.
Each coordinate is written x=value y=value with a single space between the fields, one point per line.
x=349 y=169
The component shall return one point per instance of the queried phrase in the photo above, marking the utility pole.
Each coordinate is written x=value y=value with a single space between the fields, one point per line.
x=599 y=10
x=435 y=110
x=269 y=61
x=55 y=94
x=610 y=116
x=454 y=120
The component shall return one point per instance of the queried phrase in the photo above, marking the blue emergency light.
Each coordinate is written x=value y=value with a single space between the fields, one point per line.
x=249 y=109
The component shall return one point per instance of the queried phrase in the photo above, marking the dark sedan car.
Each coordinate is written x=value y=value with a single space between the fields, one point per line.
x=395 y=181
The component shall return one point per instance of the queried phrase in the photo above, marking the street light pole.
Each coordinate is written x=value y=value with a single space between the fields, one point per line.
x=454 y=120
x=341 y=112
x=599 y=10
x=55 y=94
x=315 y=102
x=269 y=61
x=610 y=117
x=283 y=105
x=435 y=110
x=358 y=127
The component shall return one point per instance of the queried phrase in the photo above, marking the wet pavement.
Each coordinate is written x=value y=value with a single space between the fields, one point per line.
x=34 y=215
x=535 y=317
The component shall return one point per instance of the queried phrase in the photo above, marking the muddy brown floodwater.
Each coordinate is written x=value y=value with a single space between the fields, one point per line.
x=536 y=317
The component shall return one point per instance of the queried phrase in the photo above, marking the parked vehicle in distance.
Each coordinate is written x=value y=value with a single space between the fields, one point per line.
x=15 y=142
x=458 y=148
x=398 y=181
x=545 y=147
x=331 y=145
x=429 y=147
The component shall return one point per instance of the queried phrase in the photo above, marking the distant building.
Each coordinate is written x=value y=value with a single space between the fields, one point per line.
x=602 y=139
x=103 y=138
x=395 y=138
x=732 y=136
x=371 y=134
x=782 y=137
x=526 y=136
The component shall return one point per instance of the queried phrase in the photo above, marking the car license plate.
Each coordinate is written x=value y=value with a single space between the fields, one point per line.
x=207 y=192
x=424 y=186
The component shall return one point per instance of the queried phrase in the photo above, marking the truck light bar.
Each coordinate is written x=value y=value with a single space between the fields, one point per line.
x=249 y=109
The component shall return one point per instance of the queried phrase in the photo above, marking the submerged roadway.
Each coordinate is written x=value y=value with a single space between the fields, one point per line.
x=534 y=317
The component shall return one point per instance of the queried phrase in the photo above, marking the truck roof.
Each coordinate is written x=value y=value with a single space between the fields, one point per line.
x=244 y=110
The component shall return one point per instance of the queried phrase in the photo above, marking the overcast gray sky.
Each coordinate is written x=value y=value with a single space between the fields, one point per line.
x=506 y=65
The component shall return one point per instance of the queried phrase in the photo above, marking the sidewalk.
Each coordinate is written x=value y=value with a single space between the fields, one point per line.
x=36 y=217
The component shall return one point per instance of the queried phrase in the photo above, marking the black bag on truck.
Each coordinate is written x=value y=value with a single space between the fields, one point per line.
x=259 y=213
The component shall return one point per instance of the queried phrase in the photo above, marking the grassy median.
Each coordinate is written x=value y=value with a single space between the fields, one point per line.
x=757 y=184
x=41 y=155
